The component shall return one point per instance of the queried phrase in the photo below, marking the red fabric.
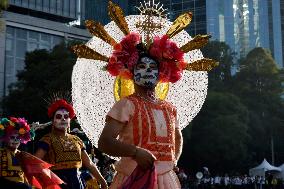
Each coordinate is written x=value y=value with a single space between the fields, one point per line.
x=141 y=179
x=37 y=172
x=60 y=104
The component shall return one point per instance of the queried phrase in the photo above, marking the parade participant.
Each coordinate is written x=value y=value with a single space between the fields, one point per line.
x=147 y=126
x=21 y=169
x=142 y=127
x=65 y=151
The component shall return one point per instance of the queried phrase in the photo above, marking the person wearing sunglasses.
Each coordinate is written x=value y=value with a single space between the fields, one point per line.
x=65 y=151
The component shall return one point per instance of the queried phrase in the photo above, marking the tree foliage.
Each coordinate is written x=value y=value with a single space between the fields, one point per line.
x=46 y=72
x=218 y=135
x=258 y=84
x=241 y=114
x=220 y=77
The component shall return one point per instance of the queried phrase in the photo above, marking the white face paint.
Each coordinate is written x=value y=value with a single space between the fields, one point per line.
x=61 y=120
x=14 y=141
x=146 y=73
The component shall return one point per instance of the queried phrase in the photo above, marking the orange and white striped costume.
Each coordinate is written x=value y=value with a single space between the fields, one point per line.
x=150 y=126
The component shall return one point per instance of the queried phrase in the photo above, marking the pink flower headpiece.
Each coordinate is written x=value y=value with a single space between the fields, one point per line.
x=19 y=125
x=126 y=55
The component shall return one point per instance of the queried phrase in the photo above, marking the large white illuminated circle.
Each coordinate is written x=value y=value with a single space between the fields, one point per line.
x=92 y=88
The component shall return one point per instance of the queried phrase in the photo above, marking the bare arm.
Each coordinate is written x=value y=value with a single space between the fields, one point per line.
x=87 y=162
x=178 y=143
x=109 y=144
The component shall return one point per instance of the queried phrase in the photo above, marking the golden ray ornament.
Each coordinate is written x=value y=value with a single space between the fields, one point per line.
x=125 y=87
x=83 y=51
x=116 y=14
x=204 y=64
x=179 y=24
x=98 y=30
x=197 y=42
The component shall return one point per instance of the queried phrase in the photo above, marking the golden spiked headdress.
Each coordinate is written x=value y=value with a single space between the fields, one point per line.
x=151 y=11
x=148 y=25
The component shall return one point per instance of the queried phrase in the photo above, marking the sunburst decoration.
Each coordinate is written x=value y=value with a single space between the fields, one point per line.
x=152 y=8
x=94 y=91
x=147 y=26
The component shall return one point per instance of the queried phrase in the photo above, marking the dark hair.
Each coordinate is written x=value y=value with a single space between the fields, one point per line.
x=144 y=53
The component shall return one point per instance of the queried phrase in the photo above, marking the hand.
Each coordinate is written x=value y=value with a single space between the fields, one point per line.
x=144 y=158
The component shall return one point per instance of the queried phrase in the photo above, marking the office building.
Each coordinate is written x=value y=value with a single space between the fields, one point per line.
x=36 y=24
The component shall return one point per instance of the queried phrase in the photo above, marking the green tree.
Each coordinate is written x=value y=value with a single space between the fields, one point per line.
x=218 y=135
x=219 y=77
x=46 y=72
x=258 y=84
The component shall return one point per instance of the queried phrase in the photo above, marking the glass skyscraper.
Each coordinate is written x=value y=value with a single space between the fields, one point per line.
x=242 y=24
x=246 y=24
x=276 y=29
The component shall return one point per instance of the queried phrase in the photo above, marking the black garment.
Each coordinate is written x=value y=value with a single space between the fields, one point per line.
x=7 y=184
x=71 y=177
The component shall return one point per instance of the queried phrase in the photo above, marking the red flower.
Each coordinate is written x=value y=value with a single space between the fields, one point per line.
x=13 y=119
x=125 y=56
x=114 y=68
x=170 y=58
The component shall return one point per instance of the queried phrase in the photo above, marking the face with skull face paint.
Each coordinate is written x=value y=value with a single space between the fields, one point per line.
x=13 y=141
x=61 y=120
x=146 y=72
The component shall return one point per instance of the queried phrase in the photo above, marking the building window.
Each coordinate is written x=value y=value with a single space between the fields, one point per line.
x=52 y=6
x=66 y=8
x=59 y=7
x=39 y=5
x=46 y=5
x=32 y=4
x=18 y=43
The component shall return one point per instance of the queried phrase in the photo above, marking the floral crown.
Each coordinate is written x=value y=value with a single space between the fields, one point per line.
x=20 y=125
x=58 y=104
x=125 y=53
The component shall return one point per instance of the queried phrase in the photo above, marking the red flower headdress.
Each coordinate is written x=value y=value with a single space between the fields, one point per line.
x=61 y=103
x=125 y=56
x=12 y=125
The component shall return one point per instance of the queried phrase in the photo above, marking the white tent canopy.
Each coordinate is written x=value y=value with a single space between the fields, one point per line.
x=262 y=168
x=281 y=174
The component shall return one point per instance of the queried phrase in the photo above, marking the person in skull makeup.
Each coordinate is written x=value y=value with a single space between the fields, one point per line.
x=20 y=169
x=11 y=174
x=65 y=151
x=146 y=127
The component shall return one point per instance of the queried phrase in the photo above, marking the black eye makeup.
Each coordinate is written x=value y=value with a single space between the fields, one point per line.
x=59 y=116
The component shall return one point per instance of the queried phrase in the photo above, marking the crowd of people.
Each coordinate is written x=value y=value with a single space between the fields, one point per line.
x=207 y=181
